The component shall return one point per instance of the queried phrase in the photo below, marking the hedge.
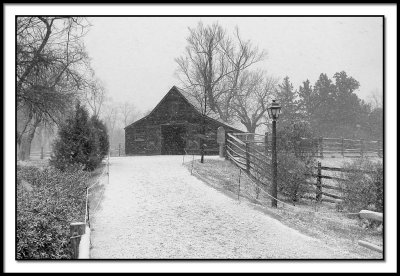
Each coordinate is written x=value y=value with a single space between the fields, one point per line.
x=44 y=212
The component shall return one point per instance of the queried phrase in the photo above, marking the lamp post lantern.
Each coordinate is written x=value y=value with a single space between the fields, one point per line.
x=274 y=111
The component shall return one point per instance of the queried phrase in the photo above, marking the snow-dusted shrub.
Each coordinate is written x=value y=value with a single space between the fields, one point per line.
x=292 y=175
x=80 y=141
x=363 y=190
x=290 y=138
x=45 y=212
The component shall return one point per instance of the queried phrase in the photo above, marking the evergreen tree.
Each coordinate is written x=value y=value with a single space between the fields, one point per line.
x=324 y=99
x=306 y=100
x=375 y=123
x=344 y=84
x=333 y=108
x=287 y=97
x=101 y=135
x=348 y=107
x=81 y=141
x=336 y=109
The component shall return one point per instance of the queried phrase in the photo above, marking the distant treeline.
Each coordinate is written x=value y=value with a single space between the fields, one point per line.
x=330 y=108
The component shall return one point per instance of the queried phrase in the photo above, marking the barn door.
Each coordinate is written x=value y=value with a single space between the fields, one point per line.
x=173 y=139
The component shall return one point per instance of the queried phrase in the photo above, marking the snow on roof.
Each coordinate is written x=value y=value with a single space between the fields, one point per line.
x=196 y=103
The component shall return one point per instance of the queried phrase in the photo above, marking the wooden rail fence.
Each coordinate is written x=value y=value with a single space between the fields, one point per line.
x=80 y=231
x=319 y=176
x=323 y=146
x=40 y=154
x=251 y=153
x=118 y=151
x=80 y=234
x=249 y=156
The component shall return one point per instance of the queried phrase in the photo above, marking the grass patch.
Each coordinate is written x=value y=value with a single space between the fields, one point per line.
x=319 y=220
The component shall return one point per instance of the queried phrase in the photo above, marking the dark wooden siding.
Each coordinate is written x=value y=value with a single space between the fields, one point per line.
x=144 y=136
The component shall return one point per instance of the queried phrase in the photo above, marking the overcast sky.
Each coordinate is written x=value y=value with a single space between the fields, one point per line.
x=134 y=56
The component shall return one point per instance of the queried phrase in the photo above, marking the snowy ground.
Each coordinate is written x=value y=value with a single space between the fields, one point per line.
x=153 y=208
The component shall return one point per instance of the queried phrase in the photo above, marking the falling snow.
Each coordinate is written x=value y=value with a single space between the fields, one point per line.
x=153 y=208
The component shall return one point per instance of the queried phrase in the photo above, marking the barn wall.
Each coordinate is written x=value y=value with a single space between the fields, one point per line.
x=172 y=110
x=149 y=144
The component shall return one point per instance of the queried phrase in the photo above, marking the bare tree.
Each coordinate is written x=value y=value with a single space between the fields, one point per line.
x=51 y=65
x=255 y=89
x=128 y=113
x=203 y=66
x=146 y=112
x=110 y=116
x=95 y=96
x=376 y=99
x=212 y=65
x=240 y=55
x=211 y=68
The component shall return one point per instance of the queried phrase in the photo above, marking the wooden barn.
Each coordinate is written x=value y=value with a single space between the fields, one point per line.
x=173 y=126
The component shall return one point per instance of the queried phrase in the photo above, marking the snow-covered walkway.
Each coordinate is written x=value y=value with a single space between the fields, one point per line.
x=153 y=208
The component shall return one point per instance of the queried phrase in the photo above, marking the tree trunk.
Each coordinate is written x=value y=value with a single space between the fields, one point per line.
x=26 y=140
x=251 y=128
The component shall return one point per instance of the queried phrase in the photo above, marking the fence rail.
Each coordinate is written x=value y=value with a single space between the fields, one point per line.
x=319 y=176
x=80 y=231
x=321 y=146
x=255 y=160
x=240 y=153
x=119 y=151
x=247 y=156
x=41 y=154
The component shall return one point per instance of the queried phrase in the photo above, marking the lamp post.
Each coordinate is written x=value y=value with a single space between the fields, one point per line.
x=203 y=128
x=273 y=112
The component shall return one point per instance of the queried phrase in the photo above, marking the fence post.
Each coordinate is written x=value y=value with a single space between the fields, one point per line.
x=119 y=149
x=41 y=153
x=108 y=169
x=319 y=183
x=226 y=145
x=240 y=173
x=342 y=147
x=247 y=158
x=88 y=206
x=380 y=148
x=76 y=229
x=362 y=147
x=266 y=143
x=321 y=147
x=191 y=170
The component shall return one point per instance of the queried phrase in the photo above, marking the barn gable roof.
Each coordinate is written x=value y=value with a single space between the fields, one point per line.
x=196 y=104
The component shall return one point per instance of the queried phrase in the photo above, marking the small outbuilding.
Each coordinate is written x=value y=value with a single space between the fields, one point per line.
x=173 y=127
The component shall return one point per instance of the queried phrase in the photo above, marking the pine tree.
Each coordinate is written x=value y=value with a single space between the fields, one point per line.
x=324 y=99
x=349 y=108
x=287 y=97
x=336 y=108
x=306 y=100
x=101 y=136
x=82 y=141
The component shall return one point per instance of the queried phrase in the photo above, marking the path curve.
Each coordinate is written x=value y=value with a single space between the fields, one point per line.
x=154 y=209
